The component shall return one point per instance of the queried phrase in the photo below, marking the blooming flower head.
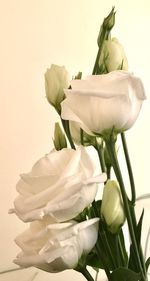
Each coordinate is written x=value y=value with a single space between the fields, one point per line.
x=60 y=185
x=56 y=247
x=101 y=103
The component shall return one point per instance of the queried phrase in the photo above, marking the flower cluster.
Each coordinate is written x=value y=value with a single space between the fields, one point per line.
x=71 y=226
x=58 y=188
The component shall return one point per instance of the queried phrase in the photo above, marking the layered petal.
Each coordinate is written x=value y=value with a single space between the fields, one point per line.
x=60 y=185
x=110 y=100
x=56 y=247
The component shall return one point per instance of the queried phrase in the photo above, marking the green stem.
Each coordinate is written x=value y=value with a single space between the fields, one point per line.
x=108 y=250
x=82 y=136
x=133 y=192
x=111 y=149
x=130 y=172
x=102 y=258
x=100 y=152
x=85 y=273
x=65 y=124
x=100 y=241
x=121 y=252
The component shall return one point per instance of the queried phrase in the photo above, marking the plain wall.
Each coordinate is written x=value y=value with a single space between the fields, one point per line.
x=33 y=35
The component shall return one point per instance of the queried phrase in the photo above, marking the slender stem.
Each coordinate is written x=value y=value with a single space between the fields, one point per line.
x=96 y=276
x=11 y=270
x=65 y=124
x=130 y=172
x=133 y=192
x=100 y=152
x=82 y=136
x=96 y=61
x=121 y=252
x=108 y=249
x=102 y=258
x=85 y=273
x=97 y=246
x=111 y=149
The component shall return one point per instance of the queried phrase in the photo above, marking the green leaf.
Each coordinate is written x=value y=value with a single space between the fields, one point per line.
x=147 y=263
x=93 y=261
x=139 y=229
x=124 y=274
x=94 y=211
x=132 y=260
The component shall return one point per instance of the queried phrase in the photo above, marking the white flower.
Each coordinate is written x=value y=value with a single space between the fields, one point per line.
x=56 y=79
x=113 y=55
x=112 y=206
x=60 y=185
x=56 y=247
x=103 y=102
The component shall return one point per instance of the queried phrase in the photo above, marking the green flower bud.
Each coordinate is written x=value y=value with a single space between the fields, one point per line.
x=113 y=56
x=56 y=80
x=106 y=27
x=59 y=138
x=109 y=21
x=112 y=207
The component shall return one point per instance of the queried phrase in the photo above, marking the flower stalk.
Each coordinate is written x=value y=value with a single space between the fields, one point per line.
x=131 y=178
x=66 y=127
x=112 y=153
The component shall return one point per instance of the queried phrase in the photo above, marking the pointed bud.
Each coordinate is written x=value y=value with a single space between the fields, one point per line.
x=109 y=21
x=112 y=207
x=106 y=27
x=59 y=138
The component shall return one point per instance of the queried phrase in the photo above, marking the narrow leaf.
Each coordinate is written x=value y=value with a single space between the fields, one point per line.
x=124 y=274
x=147 y=263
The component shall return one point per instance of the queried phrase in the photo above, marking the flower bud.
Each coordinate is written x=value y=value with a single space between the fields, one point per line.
x=112 y=56
x=56 y=80
x=112 y=207
x=59 y=138
x=106 y=27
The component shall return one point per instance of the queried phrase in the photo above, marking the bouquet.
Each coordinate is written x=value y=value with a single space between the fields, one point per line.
x=78 y=211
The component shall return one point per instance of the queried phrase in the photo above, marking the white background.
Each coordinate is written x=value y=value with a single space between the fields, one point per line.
x=33 y=35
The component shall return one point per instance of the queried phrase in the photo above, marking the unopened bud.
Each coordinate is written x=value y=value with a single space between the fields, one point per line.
x=56 y=80
x=109 y=21
x=112 y=206
x=113 y=56
x=106 y=27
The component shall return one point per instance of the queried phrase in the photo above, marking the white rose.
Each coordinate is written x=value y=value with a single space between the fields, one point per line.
x=56 y=247
x=56 y=79
x=102 y=102
x=113 y=55
x=60 y=185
